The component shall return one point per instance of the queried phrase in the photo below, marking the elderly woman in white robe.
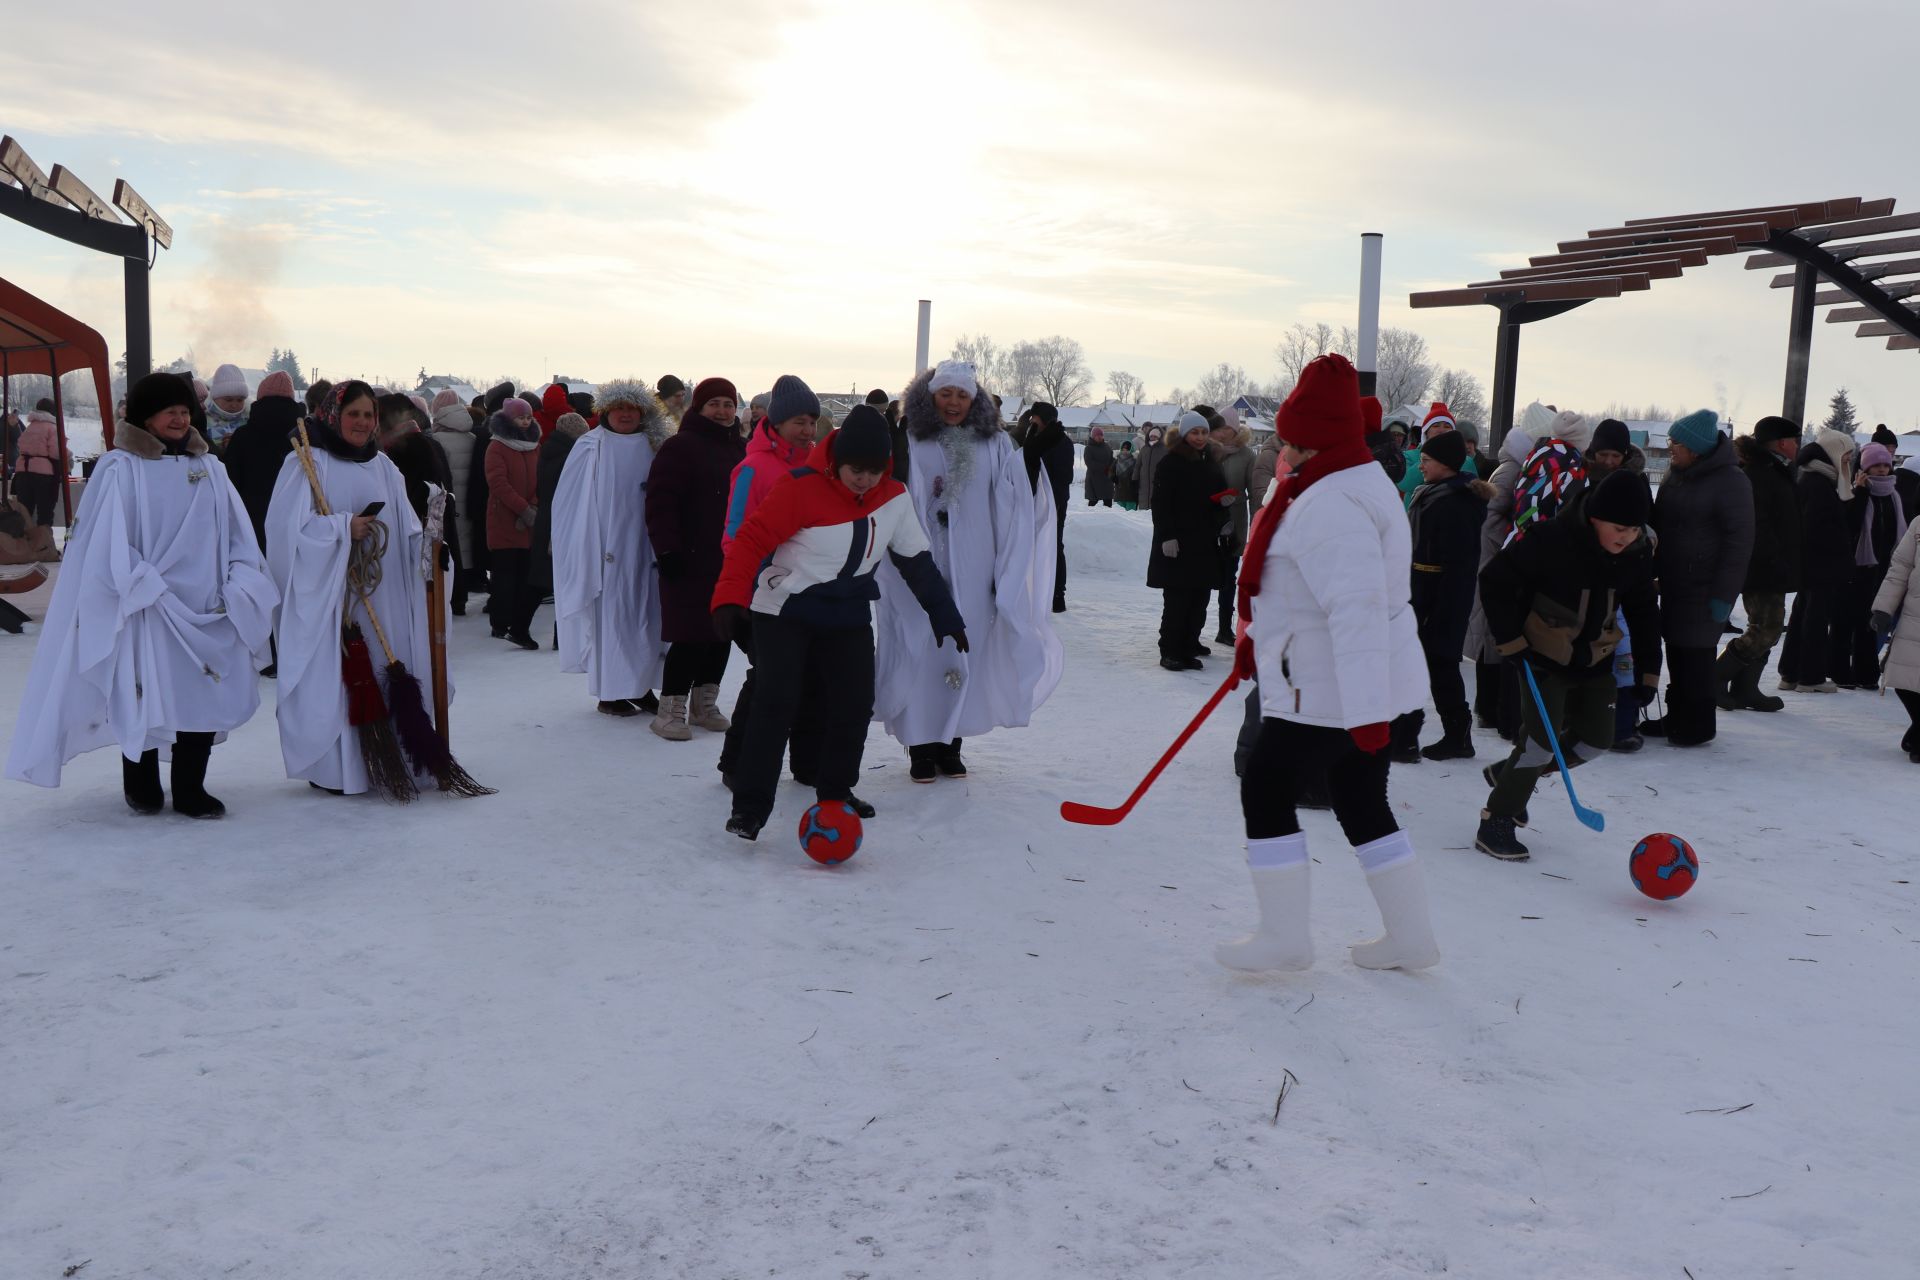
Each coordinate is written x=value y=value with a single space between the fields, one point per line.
x=309 y=559
x=606 y=590
x=159 y=619
x=992 y=534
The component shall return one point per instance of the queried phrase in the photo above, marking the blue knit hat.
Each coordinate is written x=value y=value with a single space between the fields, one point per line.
x=791 y=398
x=1698 y=431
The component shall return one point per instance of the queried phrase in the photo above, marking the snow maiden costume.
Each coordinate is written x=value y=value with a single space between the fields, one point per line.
x=992 y=535
x=159 y=619
x=1326 y=621
x=606 y=590
x=309 y=556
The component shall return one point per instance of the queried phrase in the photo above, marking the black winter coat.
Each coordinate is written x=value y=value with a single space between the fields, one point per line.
x=1098 y=455
x=1774 y=566
x=1886 y=537
x=546 y=482
x=1447 y=518
x=1704 y=516
x=1554 y=593
x=255 y=453
x=1184 y=511
x=1047 y=448
x=479 y=493
x=686 y=516
x=1391 y=457
x=1826 y=545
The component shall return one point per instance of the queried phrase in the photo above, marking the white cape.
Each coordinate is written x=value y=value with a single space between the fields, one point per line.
x=996 y=551
x=308 y=558
x=606 y=590
x=159 y=618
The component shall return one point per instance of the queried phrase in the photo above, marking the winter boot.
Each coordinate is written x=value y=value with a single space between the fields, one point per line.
x=860 y=807
x=647 y=702
x=704 y=711
x=140 y=781
x=920 y=766
x=1726 y=670
x=622 y=707
x=521 y=640
x=1492 y=775
x=1746 y=689
x=190 y=799
x=1393 y=873
x=946 y=758
x=744 y=827
x=1456 y=743
x=671 y=723
x=1279 y=868
x=1404 y=745
x=1496 y=839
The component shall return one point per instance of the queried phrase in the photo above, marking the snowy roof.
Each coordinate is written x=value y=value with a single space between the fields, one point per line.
x=1260 y=409
x=435 y=385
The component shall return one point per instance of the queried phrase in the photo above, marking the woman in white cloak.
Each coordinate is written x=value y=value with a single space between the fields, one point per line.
x=159 y=618
x=606 y=589
x=993 y=539
x=308 y=557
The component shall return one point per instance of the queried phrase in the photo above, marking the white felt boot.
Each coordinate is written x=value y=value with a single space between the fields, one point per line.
x=1393 y=874
x=1279 y=870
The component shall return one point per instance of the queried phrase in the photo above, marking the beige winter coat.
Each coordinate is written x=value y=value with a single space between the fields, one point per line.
x=1900 y=596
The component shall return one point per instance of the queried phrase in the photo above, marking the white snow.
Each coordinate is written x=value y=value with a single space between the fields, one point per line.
x=576 y=1030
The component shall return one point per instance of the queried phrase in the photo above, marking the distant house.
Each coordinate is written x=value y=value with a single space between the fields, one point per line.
x=433 y=386
x=1258 y=412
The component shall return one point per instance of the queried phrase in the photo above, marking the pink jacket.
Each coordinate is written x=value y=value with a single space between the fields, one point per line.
x=40 y=446
x=769 y=459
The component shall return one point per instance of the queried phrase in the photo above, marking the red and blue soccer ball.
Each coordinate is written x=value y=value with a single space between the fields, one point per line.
x=830 y=832
x=1663 y=866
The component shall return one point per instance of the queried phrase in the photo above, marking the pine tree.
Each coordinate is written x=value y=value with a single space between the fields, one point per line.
x=288 y=363
x=1840 y=415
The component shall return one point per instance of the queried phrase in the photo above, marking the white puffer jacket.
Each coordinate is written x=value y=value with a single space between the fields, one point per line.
x=1333 y=633
x=1900 y=596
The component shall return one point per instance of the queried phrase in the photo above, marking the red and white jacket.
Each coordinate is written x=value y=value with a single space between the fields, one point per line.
x=809 y=550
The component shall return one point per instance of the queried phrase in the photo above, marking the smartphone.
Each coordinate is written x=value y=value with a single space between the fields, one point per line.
x=374 y=508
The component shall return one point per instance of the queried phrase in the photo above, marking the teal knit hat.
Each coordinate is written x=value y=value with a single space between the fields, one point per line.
x=1698 y=431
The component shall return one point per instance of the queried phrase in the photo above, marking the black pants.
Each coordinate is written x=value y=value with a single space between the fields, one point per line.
x=1231 y=567
x=1440 y=640
x=1690 y=706
x=1581 y=711
x=1284 y=752
x=1183 y=612
x=513 y=600
x=1807 y=657
x=796 y=664
x=1911 y=701
x=36 y=493
x=804 y=739
x=1856 y=650
x=691 y=663
x=1060 y=562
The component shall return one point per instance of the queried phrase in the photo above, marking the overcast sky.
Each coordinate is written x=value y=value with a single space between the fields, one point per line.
x=747 y=188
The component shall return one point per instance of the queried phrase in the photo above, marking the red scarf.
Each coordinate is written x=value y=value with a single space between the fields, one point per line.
x=1342 y=457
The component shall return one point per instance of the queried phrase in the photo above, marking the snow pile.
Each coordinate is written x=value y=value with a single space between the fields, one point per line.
x=576 y=1030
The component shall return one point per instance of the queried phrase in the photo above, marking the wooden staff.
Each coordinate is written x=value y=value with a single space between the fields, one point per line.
x=437 y=638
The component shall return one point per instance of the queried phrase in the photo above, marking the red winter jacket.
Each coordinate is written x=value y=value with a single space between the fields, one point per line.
x=553 y=406
x=512 y=487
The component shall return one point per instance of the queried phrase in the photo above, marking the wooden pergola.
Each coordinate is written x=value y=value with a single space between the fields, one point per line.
x=1833 y=241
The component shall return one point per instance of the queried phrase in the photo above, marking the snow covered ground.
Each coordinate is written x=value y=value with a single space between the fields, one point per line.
x=576 y=1030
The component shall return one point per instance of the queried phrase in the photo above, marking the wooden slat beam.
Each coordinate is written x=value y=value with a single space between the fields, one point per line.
x=1782 y=217
x=1844 y=252
x=1682 y=249
x=1844 y=207
x=1630 y=262
x=1874 y=271
x=1741 y=232
x=1834 y=297
x=1525 y=291
x=1846 y=315
x=1905 y=342
x=1862 y=227
x=1666 y=269
x=1878 y=329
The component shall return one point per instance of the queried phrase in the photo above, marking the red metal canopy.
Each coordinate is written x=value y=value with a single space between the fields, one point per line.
x=38 y=338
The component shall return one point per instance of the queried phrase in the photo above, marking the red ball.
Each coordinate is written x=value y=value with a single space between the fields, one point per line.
x=1663 y=866
x=830 y=832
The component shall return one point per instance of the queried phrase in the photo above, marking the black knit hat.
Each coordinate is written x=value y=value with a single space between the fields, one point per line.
x=1611 y=435
x=668 y=387
x=1622 y=498
x=1449 y=449
x=1043 y=412
x=863 y=439
x=155 y=392
x=878 y=398
x=1769 y=429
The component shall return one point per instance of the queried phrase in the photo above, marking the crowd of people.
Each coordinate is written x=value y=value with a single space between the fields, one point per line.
x=901 y=566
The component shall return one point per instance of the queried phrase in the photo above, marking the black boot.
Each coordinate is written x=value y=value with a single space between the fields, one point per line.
x=1496 y=839
x=1725 y=671
x=1457 y=741
x=1746 y=689
x=920 y=765
x=947 y=759
x=859 y=806
x=190 y=798
x=140 y=780
x=1492 y=775
x=1404 y=745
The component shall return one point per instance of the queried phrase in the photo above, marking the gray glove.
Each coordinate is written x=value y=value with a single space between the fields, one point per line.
x=1170 y=548
x=528 y=514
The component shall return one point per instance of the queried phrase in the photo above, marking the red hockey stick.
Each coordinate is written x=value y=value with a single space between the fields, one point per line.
x=1089 y=815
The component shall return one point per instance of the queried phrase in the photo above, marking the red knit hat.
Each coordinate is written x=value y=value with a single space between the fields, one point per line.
x=710 y=388
x=277 y=383
x=1370 y=413
x=1323 y=410
x=1438 y=415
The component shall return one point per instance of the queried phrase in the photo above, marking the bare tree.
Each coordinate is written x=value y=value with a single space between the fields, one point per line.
x=1126 y=388
x=1059 y=368
x=980 y=351
x=1182 y=397
x=1222 y=385
x=1304 y=342
x=1462 y=393
x=1405 y=370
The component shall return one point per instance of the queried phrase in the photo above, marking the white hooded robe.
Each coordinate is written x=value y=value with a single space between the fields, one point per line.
x=996 y=549
x=606 y=590
x=308 y=560
x=159 y=619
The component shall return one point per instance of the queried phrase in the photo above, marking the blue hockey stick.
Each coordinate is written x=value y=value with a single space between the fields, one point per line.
x=1589 y=818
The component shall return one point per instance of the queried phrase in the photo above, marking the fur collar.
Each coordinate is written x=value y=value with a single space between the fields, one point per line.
x=142 y=443
x=923 y=419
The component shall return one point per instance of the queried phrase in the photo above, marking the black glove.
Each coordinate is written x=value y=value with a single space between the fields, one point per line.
x=1880 y=621
x=731 y=622
x=1645 y=693
x=959 y=640
x=673 y=565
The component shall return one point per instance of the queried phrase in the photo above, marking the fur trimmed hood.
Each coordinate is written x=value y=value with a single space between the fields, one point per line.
x=142 y=443
x=655 y=423
x=923 y=419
